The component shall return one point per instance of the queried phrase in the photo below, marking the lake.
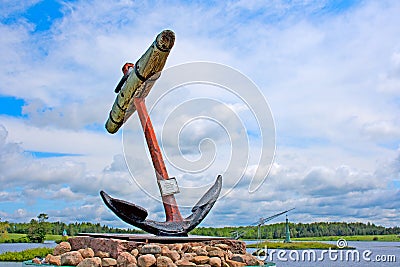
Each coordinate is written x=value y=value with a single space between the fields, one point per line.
x=365 y=254
x=4 y=247
x=22 y=246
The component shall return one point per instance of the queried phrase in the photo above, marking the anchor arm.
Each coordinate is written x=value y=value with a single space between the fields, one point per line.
x=136 y=215
x=204 y=205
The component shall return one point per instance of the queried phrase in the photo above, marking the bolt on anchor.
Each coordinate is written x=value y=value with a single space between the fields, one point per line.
x=132 y=89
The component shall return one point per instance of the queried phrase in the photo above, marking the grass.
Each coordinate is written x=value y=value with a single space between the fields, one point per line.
x=53 y=237
x=13 y=238
x=385 y=238
x=315 y=242
x=25 y=254
x=21 y=238
x=295 y=245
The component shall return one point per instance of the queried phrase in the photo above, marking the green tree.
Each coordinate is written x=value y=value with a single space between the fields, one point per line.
x=3 y=230
x=42 y=217
x=37 y=229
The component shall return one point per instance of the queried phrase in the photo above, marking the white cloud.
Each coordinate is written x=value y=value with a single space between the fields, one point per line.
x=8 y=196
x=381 y=131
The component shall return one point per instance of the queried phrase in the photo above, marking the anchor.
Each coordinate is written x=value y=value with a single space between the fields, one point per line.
x=132 y=89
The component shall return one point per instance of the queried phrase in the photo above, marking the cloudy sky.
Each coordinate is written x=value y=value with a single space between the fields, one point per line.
x=329 y=70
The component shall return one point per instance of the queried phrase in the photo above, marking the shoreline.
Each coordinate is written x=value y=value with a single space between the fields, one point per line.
x=369 y=238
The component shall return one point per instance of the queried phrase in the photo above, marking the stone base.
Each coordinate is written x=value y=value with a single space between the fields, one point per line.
x=97 y=251
x=116 y=246
x=113 y=246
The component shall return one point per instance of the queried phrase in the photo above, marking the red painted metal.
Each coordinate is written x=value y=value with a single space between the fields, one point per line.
x=126 y=67
x=172 y=212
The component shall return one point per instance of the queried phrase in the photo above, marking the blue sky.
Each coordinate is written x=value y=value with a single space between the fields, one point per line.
x=330 y=71
x=11 y=106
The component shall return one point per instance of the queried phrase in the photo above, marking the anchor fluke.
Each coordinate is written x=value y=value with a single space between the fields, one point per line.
x=126 y=210
x=210 y=196
x=206 y=202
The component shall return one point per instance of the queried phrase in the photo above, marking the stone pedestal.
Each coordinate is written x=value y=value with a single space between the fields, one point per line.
x=158 y=251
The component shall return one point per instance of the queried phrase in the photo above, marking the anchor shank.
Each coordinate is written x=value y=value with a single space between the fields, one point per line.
x=172 y=212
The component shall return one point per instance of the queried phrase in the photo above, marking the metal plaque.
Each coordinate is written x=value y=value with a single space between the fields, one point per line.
x=168 y=187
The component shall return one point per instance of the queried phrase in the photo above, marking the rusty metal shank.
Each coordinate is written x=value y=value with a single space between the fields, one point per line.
x=172 y=212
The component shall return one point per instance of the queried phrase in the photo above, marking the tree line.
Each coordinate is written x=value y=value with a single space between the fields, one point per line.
x=316 y=229
x=72 y=229
x=37 y=229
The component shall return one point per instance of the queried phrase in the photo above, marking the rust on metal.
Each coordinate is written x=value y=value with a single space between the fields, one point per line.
x=172 y=212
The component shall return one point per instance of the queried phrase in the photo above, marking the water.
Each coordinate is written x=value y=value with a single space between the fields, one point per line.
x=365 y=254
x=22 y=246
x=4 y=247
x=10 y=264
